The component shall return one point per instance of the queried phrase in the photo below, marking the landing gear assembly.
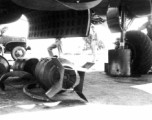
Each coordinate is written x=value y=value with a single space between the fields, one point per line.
x=133 y=55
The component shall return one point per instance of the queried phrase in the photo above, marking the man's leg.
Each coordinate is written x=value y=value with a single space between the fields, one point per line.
x=50 y=48
x=93 y=48
x=59 y=50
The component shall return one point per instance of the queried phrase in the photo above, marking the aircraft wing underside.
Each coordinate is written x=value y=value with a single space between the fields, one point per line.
x=65 y=18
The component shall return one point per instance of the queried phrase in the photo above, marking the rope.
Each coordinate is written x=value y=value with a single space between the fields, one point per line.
x=27 y=90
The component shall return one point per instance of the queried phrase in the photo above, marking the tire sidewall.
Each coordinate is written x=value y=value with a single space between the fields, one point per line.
x=142 y=51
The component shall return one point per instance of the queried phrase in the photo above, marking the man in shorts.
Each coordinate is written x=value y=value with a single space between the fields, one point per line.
x=94 y=40
x=58 y=45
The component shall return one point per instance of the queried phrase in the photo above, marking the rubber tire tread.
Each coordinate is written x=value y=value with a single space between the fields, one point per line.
x=143 y=51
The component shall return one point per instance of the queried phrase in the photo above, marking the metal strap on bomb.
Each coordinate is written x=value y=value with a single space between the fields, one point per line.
x=27 y=65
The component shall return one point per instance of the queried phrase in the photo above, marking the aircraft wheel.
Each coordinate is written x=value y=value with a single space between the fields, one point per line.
x=18 y=52
x=141 y=47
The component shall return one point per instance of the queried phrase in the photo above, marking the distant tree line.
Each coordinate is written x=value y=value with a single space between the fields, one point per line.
x=88 y=40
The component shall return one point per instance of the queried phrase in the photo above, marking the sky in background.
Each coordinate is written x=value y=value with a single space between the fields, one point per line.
x=20 y=29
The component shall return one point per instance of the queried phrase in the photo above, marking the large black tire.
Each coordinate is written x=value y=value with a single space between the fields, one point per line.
x=18 y=52
x=141 y=47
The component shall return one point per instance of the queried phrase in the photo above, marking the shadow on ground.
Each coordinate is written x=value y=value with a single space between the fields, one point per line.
x=98 y=88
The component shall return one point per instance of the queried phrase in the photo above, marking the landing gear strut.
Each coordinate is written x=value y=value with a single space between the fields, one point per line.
x=119 y=59
x=133 y=56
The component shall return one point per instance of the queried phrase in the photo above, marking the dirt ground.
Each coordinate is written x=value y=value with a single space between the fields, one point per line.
x=109 y=97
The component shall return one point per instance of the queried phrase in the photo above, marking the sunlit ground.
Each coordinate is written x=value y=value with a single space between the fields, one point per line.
x=89 y=112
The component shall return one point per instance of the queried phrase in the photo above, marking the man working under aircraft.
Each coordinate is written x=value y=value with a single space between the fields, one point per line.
x=148 y=26
x=94 y=40
x=58 y=45
x=91 y=40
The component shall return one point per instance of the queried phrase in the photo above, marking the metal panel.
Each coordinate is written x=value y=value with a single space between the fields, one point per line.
x=119 y=62
x=57 y=24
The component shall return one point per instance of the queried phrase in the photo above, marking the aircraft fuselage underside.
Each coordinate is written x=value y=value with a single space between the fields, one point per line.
x=65 y=18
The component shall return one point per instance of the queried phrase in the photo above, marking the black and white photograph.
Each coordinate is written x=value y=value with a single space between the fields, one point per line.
x=75 y=59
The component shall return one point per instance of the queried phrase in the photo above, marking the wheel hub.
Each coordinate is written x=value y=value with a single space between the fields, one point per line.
x=18 y=53
x=66 y=77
